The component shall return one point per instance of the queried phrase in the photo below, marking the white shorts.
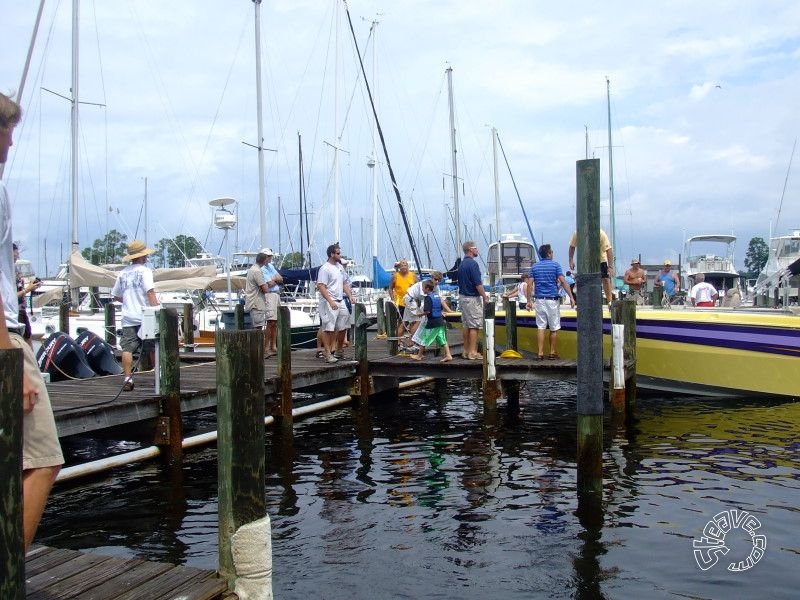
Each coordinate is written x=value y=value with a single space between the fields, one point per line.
x=410 y=311
x=334 y=320
x=548 y=313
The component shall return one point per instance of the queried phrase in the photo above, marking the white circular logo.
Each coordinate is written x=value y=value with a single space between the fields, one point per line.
x=712 y=543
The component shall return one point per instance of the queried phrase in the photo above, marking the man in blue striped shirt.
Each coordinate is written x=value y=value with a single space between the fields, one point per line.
x=547 y=274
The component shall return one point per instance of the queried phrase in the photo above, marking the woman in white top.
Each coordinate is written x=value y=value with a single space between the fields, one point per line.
x=521 y=293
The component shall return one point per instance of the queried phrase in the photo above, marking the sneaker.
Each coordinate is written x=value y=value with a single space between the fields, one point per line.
x=331 y=359
x=339 y=355
x=320 y=354
x=128 y=385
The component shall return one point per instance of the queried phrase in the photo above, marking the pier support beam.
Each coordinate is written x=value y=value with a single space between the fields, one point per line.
x=240 y=449
x=63 y=313
x=380 y=313
x=392 y=318
x=491 y=384
x=511 y=387
x=169 y=379
x=12 y=549
x=360 y=344
x=623 y=312
x=590 y=329
x=188 y=327
x=283 y=411
x=110 y=320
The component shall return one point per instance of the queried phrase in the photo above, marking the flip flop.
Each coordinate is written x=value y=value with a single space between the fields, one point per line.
x=553 y=357
x=540 y=357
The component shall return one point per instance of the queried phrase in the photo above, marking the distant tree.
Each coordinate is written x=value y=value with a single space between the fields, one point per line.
x=158 y=260
x=107 y=250
x=756 y=257
x=181 y=248
x=292 y=260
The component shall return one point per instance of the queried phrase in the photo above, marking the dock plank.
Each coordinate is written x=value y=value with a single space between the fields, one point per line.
x=63 y=574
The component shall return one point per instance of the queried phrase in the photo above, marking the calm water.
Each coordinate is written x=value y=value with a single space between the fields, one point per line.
x=429 y=498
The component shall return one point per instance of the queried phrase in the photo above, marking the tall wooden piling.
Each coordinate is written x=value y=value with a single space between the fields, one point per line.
x=110 y=320
x=590 y=329
x=240 y=447
x=392 y=319
x=188 y=327
x=169 y=378
x=12 y=549
x=360 y=343
x=380 y=313
x=283 y=410
x=238 y=316
x=491 y=384
x=63 y=313
x=511 y=387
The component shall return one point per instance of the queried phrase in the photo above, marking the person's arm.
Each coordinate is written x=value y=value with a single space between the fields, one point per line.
x=677 y=281
x=565 y=287
x=628 y=278
x=572 y=257
x=482 y=292
x=151 y=297
x=610 y=260
x=349 y=292
x=392 y=296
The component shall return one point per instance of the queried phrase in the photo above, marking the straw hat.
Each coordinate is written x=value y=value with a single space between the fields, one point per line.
x=635 y=261
x=667 y=263
x=136 y=249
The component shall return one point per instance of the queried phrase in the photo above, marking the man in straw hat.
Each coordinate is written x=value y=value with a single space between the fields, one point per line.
x=135 y=289
x=668 y=279
x=41 y=451
x=636 y=278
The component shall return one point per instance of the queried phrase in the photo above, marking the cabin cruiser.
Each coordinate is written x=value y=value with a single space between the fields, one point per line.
x=712 y=255
x=779 y=280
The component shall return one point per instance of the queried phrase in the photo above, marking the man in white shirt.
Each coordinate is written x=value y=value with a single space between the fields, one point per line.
x=333 y=314
x=135 y=289
x=703 y=293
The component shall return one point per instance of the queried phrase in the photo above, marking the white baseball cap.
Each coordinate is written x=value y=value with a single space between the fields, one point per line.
x=267 y=251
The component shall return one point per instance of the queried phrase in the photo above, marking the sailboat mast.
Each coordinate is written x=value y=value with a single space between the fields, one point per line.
x=611 y=179
x=262 y=208
x=373 y=162
x=336 y=225
x=74 y=123
x=497 y=208
x=455 y=162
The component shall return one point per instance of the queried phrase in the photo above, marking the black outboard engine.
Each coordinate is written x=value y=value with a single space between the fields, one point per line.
x=99 y=353
x=63 y=358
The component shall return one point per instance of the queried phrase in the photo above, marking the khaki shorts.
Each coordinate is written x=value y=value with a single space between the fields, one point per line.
x=471 y=311
x=272 y=300
x=40 y=446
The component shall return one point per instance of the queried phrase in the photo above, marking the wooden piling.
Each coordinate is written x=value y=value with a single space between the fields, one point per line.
x=283 y=409
x=392 y=318
x=624 y=313
x=63 y=313
x=188 y=327
x=511 y=387
x=110 y=319
x=240 y=447
x=491 y=384
x=94 y=299
x=238 y=316
x=12 y=544
x=169 y=377
x=360 y=343
x=380 y=313
x=590 y=329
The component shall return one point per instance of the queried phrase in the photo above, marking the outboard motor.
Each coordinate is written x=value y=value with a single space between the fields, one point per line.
x=99 y=353
x=63 y=358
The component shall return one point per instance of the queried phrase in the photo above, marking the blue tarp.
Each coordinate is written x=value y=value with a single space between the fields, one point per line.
x=381 y=278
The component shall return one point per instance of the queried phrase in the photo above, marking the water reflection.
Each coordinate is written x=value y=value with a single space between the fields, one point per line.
x=425 y=497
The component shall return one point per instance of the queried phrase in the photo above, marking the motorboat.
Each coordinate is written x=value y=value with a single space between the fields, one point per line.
x=712 y=255
x=716 y=352
x=779 y=280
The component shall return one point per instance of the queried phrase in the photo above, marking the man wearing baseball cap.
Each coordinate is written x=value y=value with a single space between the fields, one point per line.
x=273 y=280
x=636 y=278
x=135 y=289
x=668 y=279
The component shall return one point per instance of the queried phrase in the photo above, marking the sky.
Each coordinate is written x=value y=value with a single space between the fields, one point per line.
x=702 y=104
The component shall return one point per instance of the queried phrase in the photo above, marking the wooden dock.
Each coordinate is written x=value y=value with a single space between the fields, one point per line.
x=89 y=405
x=60 y=574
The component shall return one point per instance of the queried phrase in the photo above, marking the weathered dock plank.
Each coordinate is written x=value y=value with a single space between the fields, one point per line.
x=54 y=573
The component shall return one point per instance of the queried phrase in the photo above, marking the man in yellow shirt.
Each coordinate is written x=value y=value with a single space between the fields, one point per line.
x=606 y=261
x=401 y=281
